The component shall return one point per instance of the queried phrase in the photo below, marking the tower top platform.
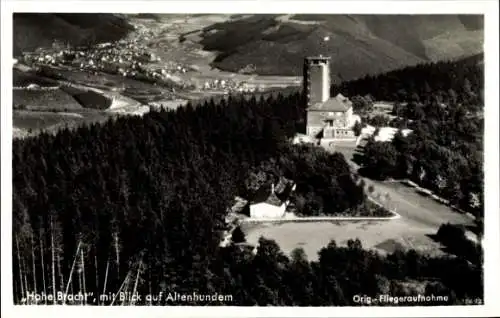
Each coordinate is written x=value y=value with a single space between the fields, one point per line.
x=317 y=57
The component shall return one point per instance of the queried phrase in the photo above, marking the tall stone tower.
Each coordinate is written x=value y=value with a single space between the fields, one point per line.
x=316 y=80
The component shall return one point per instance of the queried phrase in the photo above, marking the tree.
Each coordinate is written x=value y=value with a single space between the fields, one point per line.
x=238 y=236
x=357 y=128
x=371 y=188
x=380 y=159
x=299 y=256
x=362 y=104
x=379 y=121
x=467 y=89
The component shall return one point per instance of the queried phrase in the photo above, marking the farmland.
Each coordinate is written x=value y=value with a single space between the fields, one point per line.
x=44 y=100
x=29 y=123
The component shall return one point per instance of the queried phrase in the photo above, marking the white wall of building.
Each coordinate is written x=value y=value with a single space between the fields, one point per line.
x=319 y=83
x=265 y=210
x=325 y=83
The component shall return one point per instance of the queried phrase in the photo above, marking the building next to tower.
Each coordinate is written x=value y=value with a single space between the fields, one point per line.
x=327 y=117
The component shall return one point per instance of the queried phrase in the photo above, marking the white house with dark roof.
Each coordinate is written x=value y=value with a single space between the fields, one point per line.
x=327 y=117
x=272 y=203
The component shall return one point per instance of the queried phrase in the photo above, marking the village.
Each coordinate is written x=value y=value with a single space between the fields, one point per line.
x=131 y=59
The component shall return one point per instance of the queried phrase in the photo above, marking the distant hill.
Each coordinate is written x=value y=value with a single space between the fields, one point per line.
x=276 y=44
x=34 y=30
x=358 y=44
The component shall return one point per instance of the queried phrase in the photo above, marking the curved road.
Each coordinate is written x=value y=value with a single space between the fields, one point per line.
x=415 y=208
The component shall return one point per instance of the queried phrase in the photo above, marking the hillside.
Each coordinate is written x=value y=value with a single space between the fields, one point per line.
x=276 y=44
x=358 y=44
x=35 y=30
x=151 y=199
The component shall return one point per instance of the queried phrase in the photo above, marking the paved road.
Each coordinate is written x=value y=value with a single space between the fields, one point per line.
x=412 y=206
x=417 y=208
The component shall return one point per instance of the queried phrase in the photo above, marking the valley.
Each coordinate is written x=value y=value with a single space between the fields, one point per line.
x=189 y=54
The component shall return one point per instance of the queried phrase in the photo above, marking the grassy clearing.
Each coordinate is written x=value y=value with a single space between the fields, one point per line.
x=23 y=79
x=35 y=121
x=31 y=123
x=383 y=236
x=44 y=100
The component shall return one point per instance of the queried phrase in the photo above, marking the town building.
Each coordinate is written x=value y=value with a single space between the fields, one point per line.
x=327 y=117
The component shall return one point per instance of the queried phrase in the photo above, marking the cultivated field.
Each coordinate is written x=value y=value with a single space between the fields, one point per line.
x=34 y=121
x=28 y=123
x=55 y=99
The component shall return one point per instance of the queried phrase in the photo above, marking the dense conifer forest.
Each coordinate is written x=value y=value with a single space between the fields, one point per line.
x=459 y=81
x=138 y=205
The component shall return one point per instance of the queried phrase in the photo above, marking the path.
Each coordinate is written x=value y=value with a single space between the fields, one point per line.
x=415 y=208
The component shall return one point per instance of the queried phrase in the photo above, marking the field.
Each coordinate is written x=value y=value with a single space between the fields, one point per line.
x=41 y=120
x=383 y=236
x=100 y=80
x=22 y=77
x=28 y=123
x=54 y=99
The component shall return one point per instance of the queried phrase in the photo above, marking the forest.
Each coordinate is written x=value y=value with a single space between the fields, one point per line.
x=133 y=192
x=138 y=205
x=325 y=185
x=450 y=82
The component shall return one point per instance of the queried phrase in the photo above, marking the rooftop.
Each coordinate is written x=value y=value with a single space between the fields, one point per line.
x=281 y=193
x=273 y=200
x=338 y=103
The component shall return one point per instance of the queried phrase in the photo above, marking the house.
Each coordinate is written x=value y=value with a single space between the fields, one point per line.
x=272 y=202
x=327 y=117
x=331 y=119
